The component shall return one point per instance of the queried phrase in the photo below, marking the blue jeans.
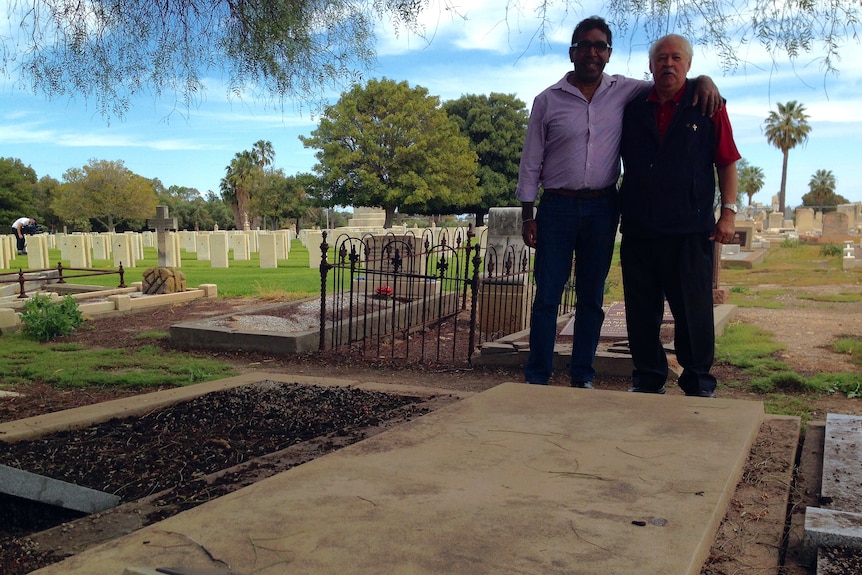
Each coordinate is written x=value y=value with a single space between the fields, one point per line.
x=587 y=229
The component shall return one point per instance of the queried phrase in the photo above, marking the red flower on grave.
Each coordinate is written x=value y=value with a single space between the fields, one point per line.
x=384 y=291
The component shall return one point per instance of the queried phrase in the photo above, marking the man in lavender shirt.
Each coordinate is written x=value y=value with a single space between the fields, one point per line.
x=572 y=151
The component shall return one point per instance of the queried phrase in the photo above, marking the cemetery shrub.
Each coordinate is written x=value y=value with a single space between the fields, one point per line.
x=782 y=381
x=831 y=250
x=790 y=243
x=45 y=319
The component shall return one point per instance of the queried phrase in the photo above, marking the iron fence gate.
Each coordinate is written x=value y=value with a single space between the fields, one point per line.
x=426 y=296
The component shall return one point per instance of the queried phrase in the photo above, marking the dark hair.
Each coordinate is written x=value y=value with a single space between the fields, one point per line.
x=593 y=22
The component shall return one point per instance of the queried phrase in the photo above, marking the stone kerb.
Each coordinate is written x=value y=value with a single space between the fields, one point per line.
x=119 y=300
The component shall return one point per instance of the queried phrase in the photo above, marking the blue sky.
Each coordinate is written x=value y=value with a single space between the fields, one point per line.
x=486 y=51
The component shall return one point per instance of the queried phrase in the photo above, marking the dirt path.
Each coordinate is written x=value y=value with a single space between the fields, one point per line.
x=807 y=329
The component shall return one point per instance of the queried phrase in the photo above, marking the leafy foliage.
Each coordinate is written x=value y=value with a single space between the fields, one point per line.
x=45 y=319
x=17 y=183
x=750 y=179
x=821 y=192
x=106 y=191
x=391 y=146
x=114 y=50
x=496 y=126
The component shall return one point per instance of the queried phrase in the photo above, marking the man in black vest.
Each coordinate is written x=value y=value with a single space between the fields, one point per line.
x=670 y=153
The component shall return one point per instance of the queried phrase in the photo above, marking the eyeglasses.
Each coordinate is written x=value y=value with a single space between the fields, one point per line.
x=585 y=46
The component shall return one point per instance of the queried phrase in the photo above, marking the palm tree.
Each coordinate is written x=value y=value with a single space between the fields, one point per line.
x=264 y=153
x=750 y=179
x=821 y=192
x=237 y=185
x=785 y=129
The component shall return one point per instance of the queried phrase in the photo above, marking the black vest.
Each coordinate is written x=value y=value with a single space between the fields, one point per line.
x=668 y=187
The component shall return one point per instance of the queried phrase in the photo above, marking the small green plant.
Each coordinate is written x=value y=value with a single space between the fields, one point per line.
x=831 y=250
x=852 y=346
x=45 y=319
x=790 y=243
x=740 y=289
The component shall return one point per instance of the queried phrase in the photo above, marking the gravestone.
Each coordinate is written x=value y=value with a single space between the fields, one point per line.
x=219 y=250
x=101 y=247
x=835 y=226
x=854 y=214
x=202 y=247
x=37 y=252
x=805 y=220
x=776 y=221
x=744 y=235
x=79 y=252
x=267 y=250
x=164 y=278
x=614 y=327
x=121 y=248
x=241 y=249
x=162 y=223
x=504 y=303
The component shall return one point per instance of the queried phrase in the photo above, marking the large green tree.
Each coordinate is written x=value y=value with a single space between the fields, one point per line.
x=391 y=146
x=106 y=191
x=749 y=178
x=113 y=50
x=496 y=126
x=821 y=192
x=785 y=129
x=17 y=183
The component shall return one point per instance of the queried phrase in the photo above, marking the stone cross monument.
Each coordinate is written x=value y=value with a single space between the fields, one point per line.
x=162 y=224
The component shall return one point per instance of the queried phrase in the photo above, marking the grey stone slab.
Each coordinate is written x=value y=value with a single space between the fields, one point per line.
x=842 y=463
x=827 y=528
x=53 y=491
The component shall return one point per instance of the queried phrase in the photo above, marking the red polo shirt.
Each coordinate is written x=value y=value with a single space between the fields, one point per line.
x=725 y=148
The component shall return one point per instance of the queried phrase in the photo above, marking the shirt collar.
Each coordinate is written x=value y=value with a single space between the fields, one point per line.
x=653 y=95
x=566 y=87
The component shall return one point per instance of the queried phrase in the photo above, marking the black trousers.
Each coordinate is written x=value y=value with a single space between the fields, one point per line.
x=679 y=269
x=22 y=245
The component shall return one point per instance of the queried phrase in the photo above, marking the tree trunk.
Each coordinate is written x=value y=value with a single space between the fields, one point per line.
x=781 y=192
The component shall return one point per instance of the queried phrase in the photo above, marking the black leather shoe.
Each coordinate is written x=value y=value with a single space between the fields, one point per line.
x=701 y=394
x=660 y=391
x=582 y=384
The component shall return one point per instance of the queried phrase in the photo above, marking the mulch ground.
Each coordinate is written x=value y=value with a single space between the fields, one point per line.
x=182 y=456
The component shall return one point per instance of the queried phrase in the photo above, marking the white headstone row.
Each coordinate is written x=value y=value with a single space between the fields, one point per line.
x=82 y=249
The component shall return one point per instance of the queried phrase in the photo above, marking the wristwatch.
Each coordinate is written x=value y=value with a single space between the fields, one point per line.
x=731 y=207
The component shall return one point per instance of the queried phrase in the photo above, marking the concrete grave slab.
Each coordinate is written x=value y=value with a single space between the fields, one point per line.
x=517 y=479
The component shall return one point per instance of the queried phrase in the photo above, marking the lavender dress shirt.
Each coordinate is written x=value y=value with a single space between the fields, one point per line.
x=574 y=143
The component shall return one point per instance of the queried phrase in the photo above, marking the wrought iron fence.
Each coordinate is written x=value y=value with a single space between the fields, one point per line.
x=429 y=296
